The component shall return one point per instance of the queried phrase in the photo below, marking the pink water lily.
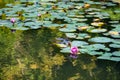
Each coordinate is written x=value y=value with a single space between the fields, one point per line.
x=38 y=15
x=74 y=50
x=12 y=20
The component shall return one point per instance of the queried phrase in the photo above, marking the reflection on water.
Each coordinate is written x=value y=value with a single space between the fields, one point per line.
x=31 y=55
x=3 y=2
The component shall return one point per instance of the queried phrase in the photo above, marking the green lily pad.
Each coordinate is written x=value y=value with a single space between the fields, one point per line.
x=103 y=7
x=115 y=45
x=116 y=53
x=115 y=58
x=95 y=47
x=89 y=16
x=107 y=54
x=95 y=53
x=33 y=25
x=19 y=28
x=113 y=22
x=115 y=25
x=110 y=4
x=79 y=20
x=117 y=28
x=117 y=11
x=100 y=40
x=115 y=36
x=97 y=30
x=71 y=35
x=23 y=1
x=65 y=50
x=116 y=41
x=61 y=45
x=83 y=36
x=104 y=57
x=87 y=51
x=67 y=29
x=78 y=43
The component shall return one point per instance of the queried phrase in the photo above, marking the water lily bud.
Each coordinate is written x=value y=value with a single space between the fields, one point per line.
x=12 y=20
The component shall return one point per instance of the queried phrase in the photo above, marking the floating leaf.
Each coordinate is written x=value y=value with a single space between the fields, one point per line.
x=67 y=29
x=97 y=30
x=78 y=43
x=115 y=45
x=61 y=45
x=116 y=41
x=71 y=35
x=115 y=58
x=97 y=24
x=104 y=57
x=65 y=50
x=113 y=22
x=95 y=53
x=82 y=36
x=94 y=47
x=101 y=40
x=116 y=53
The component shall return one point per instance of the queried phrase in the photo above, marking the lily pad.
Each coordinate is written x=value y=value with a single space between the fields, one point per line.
x=67 y=29
x=117 y=11
x=104 y=57
x=116 y=53
x=95 y=53
x=65 y=50
x=98 y=30
x=116 y=41
x=115 y=45
x=19 y=28
x=83 y=36
x=78 y=43
x=113 y=22
x=101 y=40
x=99 y=24
x=107 y=54
x=33 y=25
x=71 y=35
x=61 y=45
x=115 y=58
x=95 y=47
x=87 y=51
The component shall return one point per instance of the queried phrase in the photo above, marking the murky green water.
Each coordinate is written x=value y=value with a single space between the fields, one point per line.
x=31 y=55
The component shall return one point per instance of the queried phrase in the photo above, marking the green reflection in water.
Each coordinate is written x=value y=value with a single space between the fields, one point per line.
x=31 y=55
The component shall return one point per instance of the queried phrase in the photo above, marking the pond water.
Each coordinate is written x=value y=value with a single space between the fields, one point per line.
x=32 y=54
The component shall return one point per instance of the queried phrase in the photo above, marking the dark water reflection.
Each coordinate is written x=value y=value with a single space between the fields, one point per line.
x=31 y=55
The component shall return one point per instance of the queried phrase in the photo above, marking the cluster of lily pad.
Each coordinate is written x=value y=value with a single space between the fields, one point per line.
x=88 y=29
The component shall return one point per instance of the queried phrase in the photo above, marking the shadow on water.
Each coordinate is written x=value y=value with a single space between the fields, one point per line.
x=86 y=68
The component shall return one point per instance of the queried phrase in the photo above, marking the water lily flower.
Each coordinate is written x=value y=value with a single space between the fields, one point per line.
x=12 y=20
x=38 y=15
x=74 y=50
x=13 y=30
